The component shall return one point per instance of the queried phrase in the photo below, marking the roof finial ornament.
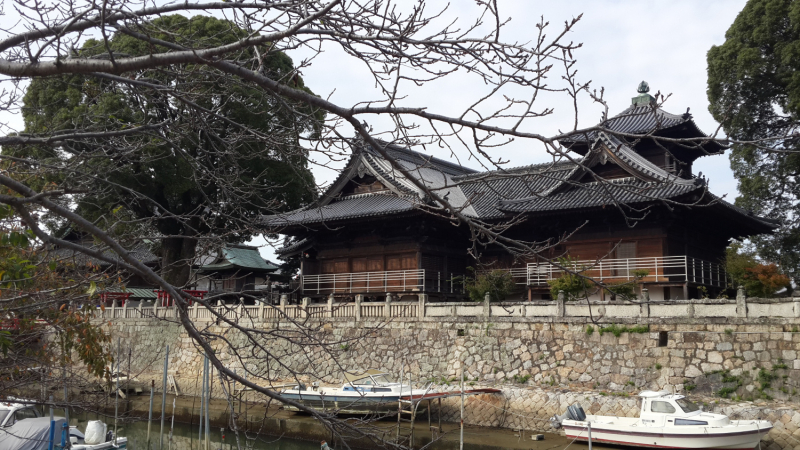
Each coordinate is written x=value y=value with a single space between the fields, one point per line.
x=643 y=99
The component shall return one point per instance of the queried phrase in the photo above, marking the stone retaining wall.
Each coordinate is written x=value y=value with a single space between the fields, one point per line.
x=552 y=364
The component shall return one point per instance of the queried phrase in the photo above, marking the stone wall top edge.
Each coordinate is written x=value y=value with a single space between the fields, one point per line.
x=494 y=319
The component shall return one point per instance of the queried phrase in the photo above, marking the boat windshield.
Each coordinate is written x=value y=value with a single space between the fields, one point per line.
x=3 y=414
x=382 y=379
x=687 y=406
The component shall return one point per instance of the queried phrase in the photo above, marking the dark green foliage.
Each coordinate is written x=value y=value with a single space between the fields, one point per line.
x=208 y=173
x=765 y=378
x=574 y=285
x=754 y=91
x=617 y=330
x=497 y=283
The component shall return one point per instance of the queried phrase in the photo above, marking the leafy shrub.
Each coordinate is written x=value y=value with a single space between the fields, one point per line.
x=627 y=290
x=497 y=283
x=573 y=285
x=759 y=280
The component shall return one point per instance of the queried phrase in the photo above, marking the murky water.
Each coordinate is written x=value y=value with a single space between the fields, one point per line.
x=185 y=437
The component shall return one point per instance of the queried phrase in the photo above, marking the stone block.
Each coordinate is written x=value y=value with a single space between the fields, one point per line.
x=715 y=357
x=724 y=346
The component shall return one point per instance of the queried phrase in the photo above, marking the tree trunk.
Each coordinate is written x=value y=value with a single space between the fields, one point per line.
x=176 y=262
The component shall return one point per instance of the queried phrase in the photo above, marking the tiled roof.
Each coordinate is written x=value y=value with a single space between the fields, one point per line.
x=594 y=194
x=642 y=120
x=140 y=252
x=354 y=206
x=239 y=257
x=559 y=185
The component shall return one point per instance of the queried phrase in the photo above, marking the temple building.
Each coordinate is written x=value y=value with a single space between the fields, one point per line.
x=623 y=203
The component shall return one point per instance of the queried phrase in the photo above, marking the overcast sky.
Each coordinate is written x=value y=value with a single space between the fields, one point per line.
x=624 y=42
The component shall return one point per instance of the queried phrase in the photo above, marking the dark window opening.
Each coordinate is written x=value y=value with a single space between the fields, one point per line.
x=663 y=337
x=461 y=332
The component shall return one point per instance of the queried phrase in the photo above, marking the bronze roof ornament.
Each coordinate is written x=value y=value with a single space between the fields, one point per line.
x=643 y=99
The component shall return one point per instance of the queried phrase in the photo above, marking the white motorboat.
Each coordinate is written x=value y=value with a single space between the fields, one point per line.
x=367 y=392
x=665 y=421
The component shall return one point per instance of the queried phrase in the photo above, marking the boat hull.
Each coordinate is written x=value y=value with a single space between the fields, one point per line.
x=347 y=404
x=741 y=436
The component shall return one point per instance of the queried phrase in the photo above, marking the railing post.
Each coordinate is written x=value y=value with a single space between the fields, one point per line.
x=423 y=299
x=439 y=281
x=423 y=280
x=388 y=307
x=561 y=304
x=358 y=307
x=644 y=306
x=124 y=309
x=282 y=304
x=797 y=307
x=487 y=307
x=330 y=305
x=113 y=309
x=141 y=302
x=741 y=302
x=451 y=282
x=304 y=307
x=655 y=261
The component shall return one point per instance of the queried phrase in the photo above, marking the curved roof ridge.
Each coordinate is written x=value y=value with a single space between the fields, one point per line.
x=419 y=157
x=530 y=168
x=636 y=161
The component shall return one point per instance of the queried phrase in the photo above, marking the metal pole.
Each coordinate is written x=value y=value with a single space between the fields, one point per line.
x=66 y=404
x=150 y=413
x=52 y=426
x=589 y=426
x=208 y=399
x=116 y=392
x=411 y=409
x=202 y=406
x=461 y=438
x=163 y=399
x=172 y=425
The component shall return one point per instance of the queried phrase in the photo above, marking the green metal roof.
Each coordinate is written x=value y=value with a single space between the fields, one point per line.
x=240 y=257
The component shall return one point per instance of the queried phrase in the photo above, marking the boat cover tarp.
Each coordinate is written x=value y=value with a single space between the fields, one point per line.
x=30 y=434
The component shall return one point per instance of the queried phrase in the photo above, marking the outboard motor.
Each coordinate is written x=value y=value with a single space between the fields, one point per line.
x=574 y=412
x=110 y=436
x=556 y=420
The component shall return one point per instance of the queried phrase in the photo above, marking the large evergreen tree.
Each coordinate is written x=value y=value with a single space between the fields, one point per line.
x=219 y=154
x=754 y=90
